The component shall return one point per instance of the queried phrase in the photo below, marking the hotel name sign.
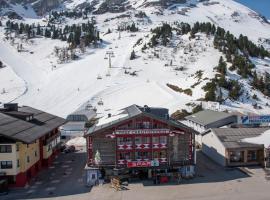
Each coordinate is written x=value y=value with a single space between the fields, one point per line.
x=142 y=131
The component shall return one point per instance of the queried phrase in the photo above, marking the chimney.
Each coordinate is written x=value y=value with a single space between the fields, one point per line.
x=11 y=107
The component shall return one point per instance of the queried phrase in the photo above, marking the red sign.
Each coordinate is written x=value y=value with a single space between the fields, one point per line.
x=139 y=164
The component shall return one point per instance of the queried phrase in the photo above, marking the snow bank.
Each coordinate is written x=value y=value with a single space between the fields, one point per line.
x=77 y=142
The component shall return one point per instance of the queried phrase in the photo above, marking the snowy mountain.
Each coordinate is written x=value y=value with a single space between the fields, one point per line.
x=55 y=72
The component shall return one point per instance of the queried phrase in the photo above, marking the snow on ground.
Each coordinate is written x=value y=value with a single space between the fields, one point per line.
x=78 y=141
x=262 y=139
x=63 y=88
x=11 y=86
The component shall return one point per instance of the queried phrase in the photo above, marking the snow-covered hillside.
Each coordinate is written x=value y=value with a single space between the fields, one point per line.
x=39 y=80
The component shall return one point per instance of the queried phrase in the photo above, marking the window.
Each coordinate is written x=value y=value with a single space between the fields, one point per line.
x=6 y=164
x=5 y=149
x=27 y=145
x=146 y=124
x=156 y=155
x=163 y=139
x=93 y=176
x=252 y=156
x=156 y=140
x=142 y=140
x=145 y=140
x=18 y=163
x=236 y=156
x=138 y=140
x=17 y=147
x=124 y=140
x=35 y=153
x=125 y=156
x=141 y=155
x=28 y=159
x=162 y=154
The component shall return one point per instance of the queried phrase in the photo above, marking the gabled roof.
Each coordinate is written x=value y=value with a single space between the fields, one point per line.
x=233 y=137
x=160 y=114
x=207 y=117
x=28 y=131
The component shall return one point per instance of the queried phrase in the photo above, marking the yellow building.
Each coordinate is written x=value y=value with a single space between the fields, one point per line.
x=29 y=140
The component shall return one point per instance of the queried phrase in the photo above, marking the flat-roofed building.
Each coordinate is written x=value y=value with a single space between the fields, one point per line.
x=206 y=119
x=29 y=140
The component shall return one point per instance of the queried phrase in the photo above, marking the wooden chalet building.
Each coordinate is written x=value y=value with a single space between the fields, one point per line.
x=29 y=141
x=140 y=138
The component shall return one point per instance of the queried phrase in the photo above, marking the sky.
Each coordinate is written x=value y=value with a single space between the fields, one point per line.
x=260 y=6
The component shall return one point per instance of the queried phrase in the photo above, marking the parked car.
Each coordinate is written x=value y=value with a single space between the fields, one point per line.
x=63 y=147
x=70 y=149
x=3 y=187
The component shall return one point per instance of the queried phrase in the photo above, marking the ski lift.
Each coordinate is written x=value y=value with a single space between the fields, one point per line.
x=108 y=74
x=100 y=102
x=88 y=107
x=99 y=77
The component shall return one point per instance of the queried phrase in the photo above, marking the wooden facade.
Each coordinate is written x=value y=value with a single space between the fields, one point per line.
x=141 y=140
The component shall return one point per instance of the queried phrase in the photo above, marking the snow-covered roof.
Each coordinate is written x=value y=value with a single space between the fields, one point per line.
x=133 y=111
x=236 y=137
x=264 y=139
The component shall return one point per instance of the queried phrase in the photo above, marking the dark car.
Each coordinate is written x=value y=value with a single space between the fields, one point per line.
x=70 y=149
x=3 y=187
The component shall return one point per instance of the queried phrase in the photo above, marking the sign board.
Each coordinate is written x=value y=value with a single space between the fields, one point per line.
x=255 y=119
x=153 y=163
x=143 y=131
x=139 y=164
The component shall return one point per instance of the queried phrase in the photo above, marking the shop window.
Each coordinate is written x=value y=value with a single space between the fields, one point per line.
x=5 y=149
x=236 y=156
x=6 y=164
x=125 y=156
x=252 y=156
x=141 y=155
x=163 y=139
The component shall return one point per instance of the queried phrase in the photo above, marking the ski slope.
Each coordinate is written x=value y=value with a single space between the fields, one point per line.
x=39 y=81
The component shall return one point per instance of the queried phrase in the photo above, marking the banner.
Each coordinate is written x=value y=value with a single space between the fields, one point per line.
x=256 y=119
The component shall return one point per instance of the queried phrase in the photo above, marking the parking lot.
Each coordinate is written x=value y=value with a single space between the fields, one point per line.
x=64 y=180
